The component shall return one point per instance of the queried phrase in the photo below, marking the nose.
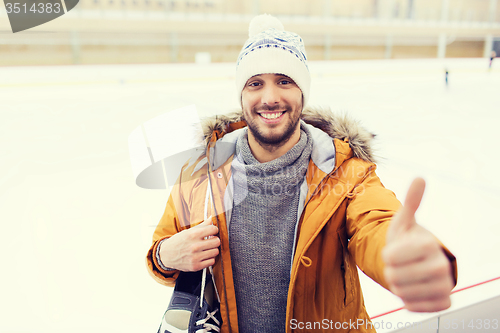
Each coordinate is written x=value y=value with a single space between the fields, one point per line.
x=270 y=95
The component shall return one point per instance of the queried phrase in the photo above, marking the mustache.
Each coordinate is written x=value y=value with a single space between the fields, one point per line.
x=277 y=107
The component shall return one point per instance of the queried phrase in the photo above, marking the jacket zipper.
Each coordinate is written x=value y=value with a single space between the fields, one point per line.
x=321 y=185
x=221 y=259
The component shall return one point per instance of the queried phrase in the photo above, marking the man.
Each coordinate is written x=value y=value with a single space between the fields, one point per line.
x=296 y=206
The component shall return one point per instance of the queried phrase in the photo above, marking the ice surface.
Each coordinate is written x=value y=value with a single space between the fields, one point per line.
x=76 y=227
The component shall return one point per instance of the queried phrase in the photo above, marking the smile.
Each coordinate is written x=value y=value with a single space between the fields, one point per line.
x=271 y=115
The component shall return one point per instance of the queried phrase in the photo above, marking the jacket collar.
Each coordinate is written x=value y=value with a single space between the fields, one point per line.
x=221 y=132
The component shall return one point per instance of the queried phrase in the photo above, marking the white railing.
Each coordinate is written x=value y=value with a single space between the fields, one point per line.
x=474 y=308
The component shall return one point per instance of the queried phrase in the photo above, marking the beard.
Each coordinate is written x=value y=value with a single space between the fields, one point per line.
x=276 y=138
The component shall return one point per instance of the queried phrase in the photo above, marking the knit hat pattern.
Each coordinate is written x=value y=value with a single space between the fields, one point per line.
x=272 y=50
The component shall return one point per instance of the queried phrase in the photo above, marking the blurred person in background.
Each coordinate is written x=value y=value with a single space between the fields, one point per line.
x=295 y=205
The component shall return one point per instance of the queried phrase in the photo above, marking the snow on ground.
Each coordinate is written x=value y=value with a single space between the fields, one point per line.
x=76 y=227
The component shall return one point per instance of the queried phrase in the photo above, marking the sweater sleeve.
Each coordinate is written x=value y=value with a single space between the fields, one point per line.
x=167 y=227
x=158 y=259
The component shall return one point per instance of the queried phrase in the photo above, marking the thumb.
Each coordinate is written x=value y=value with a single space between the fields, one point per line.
x=414 y=196
x=208 y=221
x=405 y=217
x=206 y=233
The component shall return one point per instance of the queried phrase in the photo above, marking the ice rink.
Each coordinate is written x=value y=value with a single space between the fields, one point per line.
x=76 y=228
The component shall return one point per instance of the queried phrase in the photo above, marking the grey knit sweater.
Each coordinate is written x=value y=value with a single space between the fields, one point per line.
x=262 y=230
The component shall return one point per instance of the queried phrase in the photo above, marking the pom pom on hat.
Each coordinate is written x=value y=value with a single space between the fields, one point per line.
x=263 y=22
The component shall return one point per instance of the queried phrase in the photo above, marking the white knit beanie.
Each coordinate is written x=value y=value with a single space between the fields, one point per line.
x=272 y=50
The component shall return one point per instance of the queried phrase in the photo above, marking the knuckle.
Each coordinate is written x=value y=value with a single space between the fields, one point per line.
x=411 y=306
x=438 y=291
x=446 y=303
x=388 y=256
x=196 y=266
x=190 y=234
x=398 y=291
x=389 y=276
x=445 y=264
x=440 y=268
x=429 y=245
x=198 y=232
x=193 y=248
x=415 y=293
x=210 y=254
x=439 y=304
x=420 y=306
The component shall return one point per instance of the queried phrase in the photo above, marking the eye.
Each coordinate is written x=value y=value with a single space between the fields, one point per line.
x=285 y=81
x=254 y=84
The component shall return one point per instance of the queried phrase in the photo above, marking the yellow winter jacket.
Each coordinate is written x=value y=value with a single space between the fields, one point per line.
x=343 y=223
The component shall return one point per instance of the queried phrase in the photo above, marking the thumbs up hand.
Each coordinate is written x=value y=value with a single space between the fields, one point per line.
x=416 y=268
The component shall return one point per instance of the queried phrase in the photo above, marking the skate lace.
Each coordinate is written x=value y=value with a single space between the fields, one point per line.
x=206 y=326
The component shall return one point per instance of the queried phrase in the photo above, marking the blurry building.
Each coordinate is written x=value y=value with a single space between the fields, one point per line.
x=162 y=31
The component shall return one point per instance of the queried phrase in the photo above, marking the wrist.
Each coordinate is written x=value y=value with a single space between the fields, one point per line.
x=159 y=259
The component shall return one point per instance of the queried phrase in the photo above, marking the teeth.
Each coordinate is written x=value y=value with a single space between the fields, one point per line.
x=271 y=115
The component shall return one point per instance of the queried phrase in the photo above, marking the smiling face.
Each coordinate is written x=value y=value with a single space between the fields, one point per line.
x=272 y=104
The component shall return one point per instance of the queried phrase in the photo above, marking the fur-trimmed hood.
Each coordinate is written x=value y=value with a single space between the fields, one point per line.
x=340 y=127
